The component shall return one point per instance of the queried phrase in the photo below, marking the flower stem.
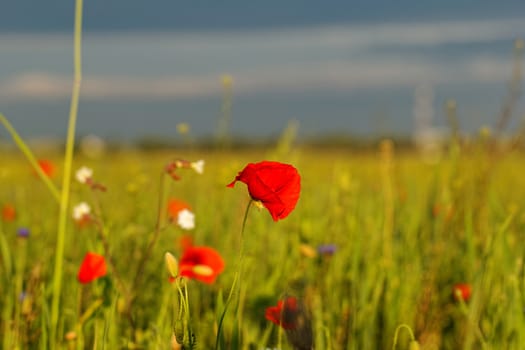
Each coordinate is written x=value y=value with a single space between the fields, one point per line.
x=154 y=238
x=245 y=218
x=130 y=297
x=237 y=275
x=66 y=180
x=102 y=235
x=187 y=318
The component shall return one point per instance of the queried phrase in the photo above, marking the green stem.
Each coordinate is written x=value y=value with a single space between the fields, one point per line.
x=66 y=181
x=20 y=262
x=245 y=218
x=474 y=324
x=89 y=311
x=187 y=327
x=102 y=235
x=237 y=275
x=130 y=298
x=30 y=157
x=153 y=238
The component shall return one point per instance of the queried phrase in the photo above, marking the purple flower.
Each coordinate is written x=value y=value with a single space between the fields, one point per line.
x=23 y=232
x=326 y=249
x=22 y=296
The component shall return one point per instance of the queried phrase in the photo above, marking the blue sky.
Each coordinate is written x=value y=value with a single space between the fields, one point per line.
x=343 y=67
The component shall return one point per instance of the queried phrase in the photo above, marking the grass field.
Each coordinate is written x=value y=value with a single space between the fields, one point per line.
x=405 y=233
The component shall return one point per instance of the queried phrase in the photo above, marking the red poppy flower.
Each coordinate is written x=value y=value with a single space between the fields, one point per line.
x=462 y=291
x=175 y=206
x=8 y=213
x=276 y=185
x=284 y=314
x=201 y=263
x=93 y=266
x=47 y=167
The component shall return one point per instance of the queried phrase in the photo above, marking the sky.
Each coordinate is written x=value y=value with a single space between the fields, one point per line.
x=352 y=67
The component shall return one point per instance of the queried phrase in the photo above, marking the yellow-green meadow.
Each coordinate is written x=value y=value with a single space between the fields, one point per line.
x=401 y=233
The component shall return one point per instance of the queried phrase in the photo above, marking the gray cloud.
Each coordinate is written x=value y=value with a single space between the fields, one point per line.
x=175 y=65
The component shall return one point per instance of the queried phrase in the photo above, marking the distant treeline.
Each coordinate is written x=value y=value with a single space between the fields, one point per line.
x=324 y=142
x=331 y=141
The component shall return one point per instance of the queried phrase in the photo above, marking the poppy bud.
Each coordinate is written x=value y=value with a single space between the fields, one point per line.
x=171 y=264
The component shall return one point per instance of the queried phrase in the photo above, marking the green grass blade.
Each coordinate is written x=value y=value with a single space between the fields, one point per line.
x=30 y=157
x=66 y=181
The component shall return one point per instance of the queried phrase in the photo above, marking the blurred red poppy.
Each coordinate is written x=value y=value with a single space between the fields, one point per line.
x=201 y=263
x=276 y=185
x=8 y=213
x=93 y=266
x=175 y=206
x=284 y=314
x=47 y=167
x=462 y=291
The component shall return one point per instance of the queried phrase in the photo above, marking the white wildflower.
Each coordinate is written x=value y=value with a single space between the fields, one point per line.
x=186 y=219
x=81 y=210
x=198 y=166
x=84 y=174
